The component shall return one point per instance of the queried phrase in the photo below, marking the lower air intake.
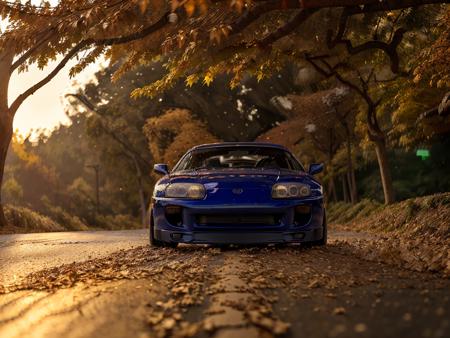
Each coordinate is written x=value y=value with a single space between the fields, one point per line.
x=238 y=219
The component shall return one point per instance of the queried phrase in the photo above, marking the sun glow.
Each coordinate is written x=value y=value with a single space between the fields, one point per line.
x=43 y=111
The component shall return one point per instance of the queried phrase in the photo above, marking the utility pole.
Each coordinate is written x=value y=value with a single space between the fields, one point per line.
x=96 y=168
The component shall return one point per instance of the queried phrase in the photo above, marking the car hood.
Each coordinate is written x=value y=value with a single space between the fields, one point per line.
x=245 y=186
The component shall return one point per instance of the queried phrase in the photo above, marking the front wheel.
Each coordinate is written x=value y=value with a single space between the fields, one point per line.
x=156 y=242
x=323 y=240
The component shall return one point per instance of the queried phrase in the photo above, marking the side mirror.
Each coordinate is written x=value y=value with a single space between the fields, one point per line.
x=161 y=169
x=315 y=168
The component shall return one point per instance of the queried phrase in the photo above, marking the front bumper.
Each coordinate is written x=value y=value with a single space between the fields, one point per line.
x=285 y=230
x=214 y=237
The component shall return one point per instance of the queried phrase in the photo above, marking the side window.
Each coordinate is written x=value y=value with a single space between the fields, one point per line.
x=184 y=163
x=295 y=165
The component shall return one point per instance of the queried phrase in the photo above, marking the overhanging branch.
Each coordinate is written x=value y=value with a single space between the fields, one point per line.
x=251 y=15
x=129 y=150
x=374 y=129
x=286 y=29
x=389 y=48
x=368 y=5
x=30 y=51
x=164 y=20
x=307 y=8
x=30 y=91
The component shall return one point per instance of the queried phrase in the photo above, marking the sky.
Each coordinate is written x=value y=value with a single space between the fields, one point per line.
x=44 y=109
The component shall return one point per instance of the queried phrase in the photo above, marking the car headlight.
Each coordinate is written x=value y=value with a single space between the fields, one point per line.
x=290 y=190
x=185 y=190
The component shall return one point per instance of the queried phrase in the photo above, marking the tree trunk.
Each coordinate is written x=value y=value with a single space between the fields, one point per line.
x=332 y=190
x=385 y=171
x=144 y=207
x=6 y=132
x=354 y=185
x=142 y=195
x=344 y=188
x=377 y=136
x=351 y=173
x=6 y=119
x=353 y=190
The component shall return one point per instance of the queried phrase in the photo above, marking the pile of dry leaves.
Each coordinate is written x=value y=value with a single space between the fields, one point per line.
x=414 y=234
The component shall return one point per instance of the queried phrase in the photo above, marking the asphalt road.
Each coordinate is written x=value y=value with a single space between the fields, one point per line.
x=111 y=284
x=25 y=253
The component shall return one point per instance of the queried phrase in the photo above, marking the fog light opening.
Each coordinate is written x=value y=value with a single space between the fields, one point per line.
x=173 y=209
x=176 y=236
x=174 y=214
x=302 y=214
x=303 y=209
x=298 y=235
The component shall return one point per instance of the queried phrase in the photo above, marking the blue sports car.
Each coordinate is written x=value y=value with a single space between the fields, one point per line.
x=237 y=193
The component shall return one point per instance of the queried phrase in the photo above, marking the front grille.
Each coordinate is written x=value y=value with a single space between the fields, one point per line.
x=238 y=219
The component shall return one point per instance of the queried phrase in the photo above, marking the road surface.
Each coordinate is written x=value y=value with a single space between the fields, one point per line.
x=111 y=284
x=25 y=253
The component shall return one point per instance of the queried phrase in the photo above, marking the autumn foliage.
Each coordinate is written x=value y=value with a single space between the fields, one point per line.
x=173 y=133
x=347 y=40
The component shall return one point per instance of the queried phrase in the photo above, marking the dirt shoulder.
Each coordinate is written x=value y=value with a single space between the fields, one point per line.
x=414 y=233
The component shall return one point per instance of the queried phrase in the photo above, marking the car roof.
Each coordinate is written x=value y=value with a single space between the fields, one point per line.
x=238 y=144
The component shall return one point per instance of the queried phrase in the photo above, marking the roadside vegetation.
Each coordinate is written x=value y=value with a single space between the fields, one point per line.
x=25 y=220
x=414 y=233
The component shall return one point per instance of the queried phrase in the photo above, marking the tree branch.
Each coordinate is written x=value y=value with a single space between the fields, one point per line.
x=368 y=5
x=164 y=20
x=30 y=51
x=30 y=91
x=308 y=7
x=389 y=48
x=288 y=28
x=251 y=15
x=128 y=149
x=374 y=128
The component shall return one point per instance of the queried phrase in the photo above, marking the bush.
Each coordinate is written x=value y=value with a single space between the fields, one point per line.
x=342 y=213
x=23 y=220
x=117 y=222
x=12 y=191
x=61 y=216
x=412 y=233
x=68 y=221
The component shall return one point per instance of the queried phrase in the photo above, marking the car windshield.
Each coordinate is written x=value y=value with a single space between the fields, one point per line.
x=238 y=158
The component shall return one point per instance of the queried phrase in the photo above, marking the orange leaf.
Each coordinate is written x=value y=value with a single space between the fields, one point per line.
x=189 y=6
x=174 y=4
x=143 y=5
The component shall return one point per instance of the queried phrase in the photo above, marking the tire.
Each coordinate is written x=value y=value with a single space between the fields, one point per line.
x=156 y=242
x=323 y=241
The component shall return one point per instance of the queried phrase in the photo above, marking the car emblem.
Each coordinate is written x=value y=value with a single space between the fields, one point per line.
x=237 y=191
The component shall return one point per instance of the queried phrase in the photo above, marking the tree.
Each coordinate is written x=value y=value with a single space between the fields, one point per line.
x=115 y=121
x=125 y=139
x=173 y=133
x=13 y=191
x=261 y=53
x=314 y=120
x=43 y=165
x=38 y=34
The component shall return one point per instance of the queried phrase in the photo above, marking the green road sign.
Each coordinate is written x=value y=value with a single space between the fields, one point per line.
x=423 y=153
